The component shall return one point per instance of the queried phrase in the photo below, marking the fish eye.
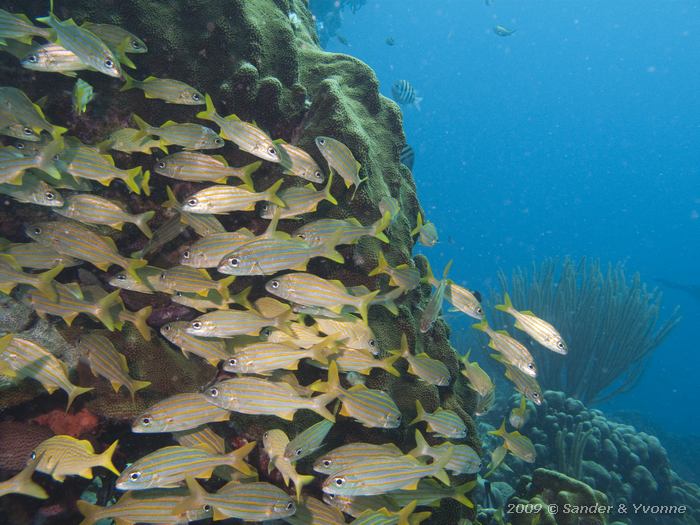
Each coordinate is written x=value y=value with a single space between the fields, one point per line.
x=109 y=63
x=162 y=276
x=36 y=230
x=192 y=202
x=339 y=481
x=302 y=236
x=134 y=475
x=218 y=140
x=135 y=44
x=196 y=96
x=121 y=277
x=372 y=343
x=318 y=175
x=206 y=507
x=49 y=195
x=214 y=392
x=232 y=362
x=166 y=328
x=531 y=366
x=560 y=344
x=321 y=141
x=161 y=165
x=327 y=463
x=298 y=452
x=479 y=310
x=19 y=145
x=33 y=455
x=290 y=505
x=33 y=59
x=178 y=294
x=536 y=395
x=197 y=325
x=272 y=151
x=275 y=284
x=28 y=131
x=146 y=421
x=186 y=255
x=234 y=261
x=265 y=207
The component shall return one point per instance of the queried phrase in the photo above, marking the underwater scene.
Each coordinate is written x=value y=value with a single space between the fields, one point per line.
x=320 y=262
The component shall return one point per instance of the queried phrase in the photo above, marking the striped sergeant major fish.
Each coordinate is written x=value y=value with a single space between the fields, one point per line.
x=404 y=93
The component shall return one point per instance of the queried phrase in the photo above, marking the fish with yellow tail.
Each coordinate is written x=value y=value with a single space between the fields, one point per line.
x=169 y=466
x=426 y=231
x=144 y=507
x=16 y=107
x=430 y=492
x=61 y=456
x=432 y=371
x=311 y=290
x=517 y=444
x=382 y=474
x=353 y=332
x=199 y=167
x=119 y=40
x=230 y=323
x=523 y=383
x=93 y=209
x=11 y=275
x=91 y=51
x=298 y=200
x=341 y=160
x=464 y=459
x=311 y=511
x=518 y=415
x=255 y=502
x=351 y=360
x=190 y=136
x=478 y=379
x=71 y=302
x=22 y=483
x=37 y=256
x=83 y=94
x=405 y=516
x=193 y=280
x=510 y=349
x=52 y=58
x=403 y=276
x=131 y=140
x=275 y=442
x=256 y=396
x=442 y=422
x=347 y=455
x=23 y=358
x=349 y=231
x=539 y=329
x=13 y=164
x=178 y=413
x=165 y=89
x=138 y=319
x=211 y=349
x=432 y=309
x=107 y=362
x=248 y=137
x=33 y=191
x=373 y=408
x=17 y=26
x=308 y=441
x=264 y=358
x=299 y=163
x=223 y=199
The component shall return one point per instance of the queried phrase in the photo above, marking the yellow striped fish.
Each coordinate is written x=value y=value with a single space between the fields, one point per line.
x=94 y=209
x=442 y=422
x=432 y=371
x=193 y=280
x=212 y=301
x=341 y=160
x=382 y=474
x=198 y=167
x=517 y=444
x=314 y=512
x=15 y=106
x=312 y=290
x=144 y=507
x=168 y=466
x=131 y=140
x=17 y=26
x=166 y=89
x=70 y=303
x=11 y=275
x=145 y=280
x=52 y=58
x=208 y=251
x=166 y=232
x=274 y=443
x=404 y=276
x=138 y=319
x=352 y=332
x=430 y=493
x=13 y=164
x=478 y=379
x=201 y=437
x=18 y=130
x=464 y=459
x=432 y=309
x=27 y=359
x=299 y=163
x=33 y=191
x=22 y=482
x=252 y=395
x=75 y=240
x=464 y=300
x=87 y=162
x=540 y=330
x=117 y=37
x=390 y=205
x=362 y=361
x=355 y=506
x=210 y=349
x=349 y=231
x=229 y=323
x=188 y=135
x=264 y=358
x=372 y=408
x=298 y=200
x=37 y=256
x=268 y=256
x=224 y=199
x=297 y=334
x=259 y=501
x=62 y=456
x=405 y=516
x=524 y=383
x=427 y=232
x=178 y=413
x=92 y=51
x=202 y=224
x=308 y=441
x=248 y=137
x=347 y=455
x=108 y=362
x=512 y=350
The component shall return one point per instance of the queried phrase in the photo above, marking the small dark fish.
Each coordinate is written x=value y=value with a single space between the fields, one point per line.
x=503 y=31
x=390 y=41
x=408 y=156
x=403 y=92
x=342 y=40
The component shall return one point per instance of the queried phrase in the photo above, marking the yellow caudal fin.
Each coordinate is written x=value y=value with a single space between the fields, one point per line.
x=320 y=402
x=422 y=446
x=23 y=483
x=195 y=499
x=382 y=265
x=140 y=321
x=130 y=179
x=247 y=171
x=172 y=201
x=45 y=282
x=74 y=392
x=222 y=286
x=507 y=306
x=420 y=413
x=501 y=430
x=498 y=456
x=106 y=458
x=236 y=459
x=145 y=179
x=439 y=465
x=363 y=304
x=482 y=326
x=300 y=482
x=460 y=492
x=380 y=226
x=134 y=264
x=405 y=512
x=388 y=364
x=129 y=82
x=134 y=386
x=210 y=112
x=332 y=385
x=271 y=194
x=145 y=127
x=327 y=195
x=419 y=224
x=141 y=222
x=357 y=186
x=241 y=298
x=104 y=307
x=89 y=511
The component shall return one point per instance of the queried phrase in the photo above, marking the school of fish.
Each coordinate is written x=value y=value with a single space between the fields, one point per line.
x=260 y=344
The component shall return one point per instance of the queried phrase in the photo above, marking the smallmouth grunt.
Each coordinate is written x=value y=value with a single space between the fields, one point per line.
x=299 y=163
x=166 y=89
x=62 y=456
x=444 y=423
x=17 y=26
x=33 y=191
x=11 y=275
x=229 y=323
x=52 y=58
x=37 y=256
x=348 y=455
x=403 y=276
x=264 y=358
x=341 y=160
x=512 y=351
x=432 y=371
x=432 y=309
x=517 y=444
x=189 y=135
x=199 y=167
x=464 y=459
x=349 y=231
x=224 y=199
x=478 y=379
x=212 y=350
x=298 y=200
x=201 y=437
x=208 y=251
x=193 y=280
x=70 y=303
x=179 y=413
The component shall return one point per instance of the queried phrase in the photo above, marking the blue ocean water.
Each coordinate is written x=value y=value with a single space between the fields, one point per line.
x=575 y=136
